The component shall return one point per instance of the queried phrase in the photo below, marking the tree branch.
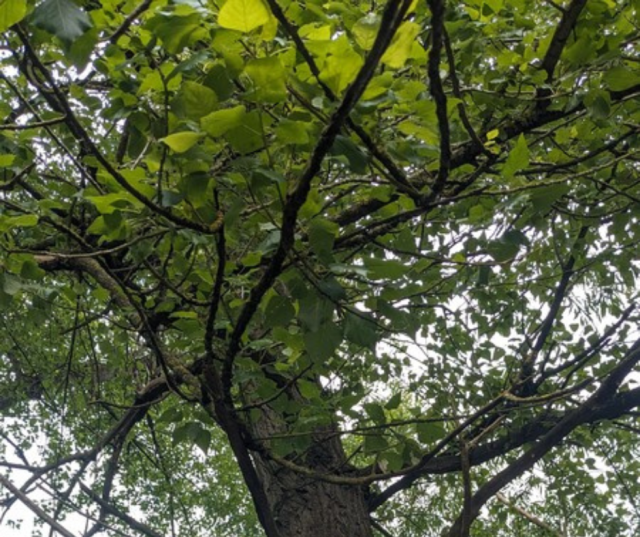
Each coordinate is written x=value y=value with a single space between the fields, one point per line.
x=110 y=509
x=561 y=36
x=129 y=20
x=35 y=508
x=83 y=137
x=529 y=516
x=391 y=19
x=561 y=430
x=437 y=90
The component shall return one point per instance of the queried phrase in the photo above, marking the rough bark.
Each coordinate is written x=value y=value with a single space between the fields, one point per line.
x=305 y=507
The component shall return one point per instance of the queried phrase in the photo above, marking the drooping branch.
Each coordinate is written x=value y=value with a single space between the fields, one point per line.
x=455 y=83
x=109 y=476
x=546 y=328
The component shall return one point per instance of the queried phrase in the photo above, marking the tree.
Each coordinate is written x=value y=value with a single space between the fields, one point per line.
x=321 y=269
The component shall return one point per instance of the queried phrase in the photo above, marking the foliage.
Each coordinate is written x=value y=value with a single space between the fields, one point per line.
x=413 y=225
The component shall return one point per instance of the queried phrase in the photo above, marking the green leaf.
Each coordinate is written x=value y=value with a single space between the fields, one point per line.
x=321 y=345
x=247 y=137
x=279 y=311
x=322 y=234
x=218 y=123
x=81 y=49
x=25 y=220
x=375 y=412
x=292 y=132
x=218 y=80
x=331 y=288
x=109 y=203
x=243 y=15
x=427 y=134
x=62 y=18
x=392 y=460
x=599 y=107
x=365 y=30
x=394 y=402
x=385 y=268
x=195 y=188
x=6 y=160
x=176 y=32
x=518 y=158
x=360 y=329
x=315 y=311
x=308 y=389
x=171 y=415
x=31 y=271
x=543 y=198
x=508 y=246
x=196 y=100
x=358 y=161
x=182 y=141
x=620 y=78
x=11 y=12
x=379 y=85
x=598 y=104
x=400 y=48
x=268 y=77
x=375 y=443
x=341 y=67
x=429 y=432
x=10 y=284
x=187 y=432
x=203 y=440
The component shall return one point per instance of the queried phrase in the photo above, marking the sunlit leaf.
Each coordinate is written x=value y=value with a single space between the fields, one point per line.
x=11 y=12
x=243 y=15
x=182 y=141
x=518 y=158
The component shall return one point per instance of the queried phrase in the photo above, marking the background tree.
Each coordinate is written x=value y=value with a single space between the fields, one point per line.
x=323 y=269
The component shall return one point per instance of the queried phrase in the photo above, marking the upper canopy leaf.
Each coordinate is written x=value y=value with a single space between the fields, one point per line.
x=11 y=12
x=62 y=18
x=243 y=15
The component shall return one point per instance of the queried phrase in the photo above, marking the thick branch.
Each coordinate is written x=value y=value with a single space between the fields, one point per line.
x=36 y=509
x=397 y=174
x=391 y=20
x=561 y=36
x=617 y=406
x=437 y=90
x=571 y=421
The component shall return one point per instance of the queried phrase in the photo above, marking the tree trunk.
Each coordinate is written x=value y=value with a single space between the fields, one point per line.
x=303 y=507
x=306 y=507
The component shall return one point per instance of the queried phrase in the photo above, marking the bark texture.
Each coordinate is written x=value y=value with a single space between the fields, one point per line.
x=305 y=507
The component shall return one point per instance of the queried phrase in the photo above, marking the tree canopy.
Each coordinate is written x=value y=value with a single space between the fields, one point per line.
x=342 y=268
